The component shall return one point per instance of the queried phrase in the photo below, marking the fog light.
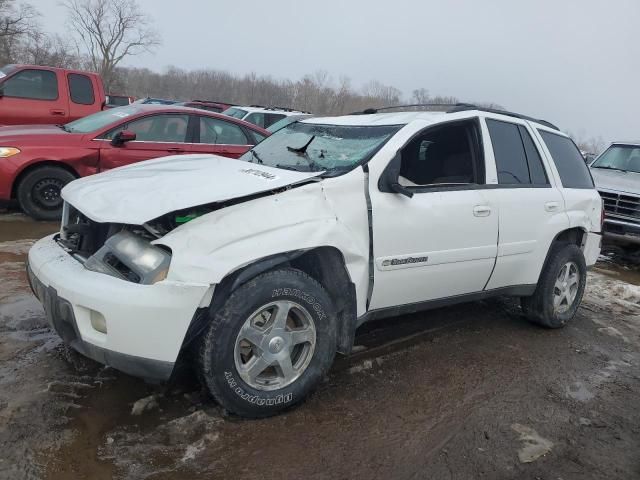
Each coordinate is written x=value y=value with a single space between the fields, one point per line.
x=98 y=322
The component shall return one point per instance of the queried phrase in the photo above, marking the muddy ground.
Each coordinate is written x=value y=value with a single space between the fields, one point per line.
x=472 y=391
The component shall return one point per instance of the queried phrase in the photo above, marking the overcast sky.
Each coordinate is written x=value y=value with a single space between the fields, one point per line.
x=575 y=63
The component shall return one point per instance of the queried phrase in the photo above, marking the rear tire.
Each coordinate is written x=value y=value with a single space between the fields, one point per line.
x=39 y=192
x=560 y=288
x=270 y=344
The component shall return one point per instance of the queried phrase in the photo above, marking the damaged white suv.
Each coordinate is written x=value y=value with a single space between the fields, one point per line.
x=267 y=266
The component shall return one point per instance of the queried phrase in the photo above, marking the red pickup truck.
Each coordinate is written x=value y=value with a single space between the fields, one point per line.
x=31 y=94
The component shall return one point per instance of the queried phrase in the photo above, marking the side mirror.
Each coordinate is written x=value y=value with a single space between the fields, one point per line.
x=123 y=137
x=388 y=181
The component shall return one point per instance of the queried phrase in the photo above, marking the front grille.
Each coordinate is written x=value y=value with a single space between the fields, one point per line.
x=82 y=235
x=621 y=205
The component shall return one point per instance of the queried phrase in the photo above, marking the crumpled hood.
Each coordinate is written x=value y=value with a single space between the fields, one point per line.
x=143 y=191
x=616 y=180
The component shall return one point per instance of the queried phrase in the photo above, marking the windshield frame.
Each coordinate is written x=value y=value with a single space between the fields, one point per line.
x=597 y=163
x=250 y=155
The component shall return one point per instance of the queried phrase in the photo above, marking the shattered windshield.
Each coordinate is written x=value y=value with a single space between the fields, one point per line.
x=313 y=147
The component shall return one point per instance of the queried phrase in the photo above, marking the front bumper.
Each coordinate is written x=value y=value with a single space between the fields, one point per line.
x=145 y=324
x=621 y=231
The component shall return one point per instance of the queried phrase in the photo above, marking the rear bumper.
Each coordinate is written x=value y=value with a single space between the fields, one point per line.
x=145 y=324
x=592 y=248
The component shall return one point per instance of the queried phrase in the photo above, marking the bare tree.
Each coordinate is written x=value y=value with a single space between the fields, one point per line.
x=17 y=22
x=110 y=31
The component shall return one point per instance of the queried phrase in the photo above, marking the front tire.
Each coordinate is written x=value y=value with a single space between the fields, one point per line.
x=39 y=192
x=270 y=344
x=560 y=288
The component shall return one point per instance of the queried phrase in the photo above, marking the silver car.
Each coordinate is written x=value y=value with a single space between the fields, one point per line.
x=616 y=173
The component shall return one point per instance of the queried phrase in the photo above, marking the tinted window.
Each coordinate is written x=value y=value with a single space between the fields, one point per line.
x=216 y=131
x=118 y=101
x=33 y=84
x=570 y=164
x=271 y=118
x=536 y=169
x=444 y=155
x=256 y=118
x=81 y=89
x=156 y=128
x=508 y=150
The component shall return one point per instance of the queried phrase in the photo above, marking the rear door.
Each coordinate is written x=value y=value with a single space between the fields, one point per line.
x=582 y=201
x=157 y=135
x=531 y=205
x=33 y=96
x=220 y=137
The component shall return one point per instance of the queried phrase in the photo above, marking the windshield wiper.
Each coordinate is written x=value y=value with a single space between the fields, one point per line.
x=607 y=167
x=256 y=156
x=64 y=127
x=303 y=149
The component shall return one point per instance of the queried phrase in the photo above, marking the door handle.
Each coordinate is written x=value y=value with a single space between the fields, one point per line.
x=175 y=150
x=552 y=206
x=481 y=210
x=58 y=112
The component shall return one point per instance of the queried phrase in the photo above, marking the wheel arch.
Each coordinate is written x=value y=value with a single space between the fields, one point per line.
x=34 y=166
x=570 y=236
x=325 y=264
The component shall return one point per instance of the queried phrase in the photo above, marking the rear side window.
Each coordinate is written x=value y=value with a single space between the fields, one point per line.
x=32 y=84
x=81 y=89
x=574 y=173
x=536 y=169
x=517 y=159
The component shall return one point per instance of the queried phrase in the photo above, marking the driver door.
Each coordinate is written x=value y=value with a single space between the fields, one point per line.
x=157 y=136
x=442 y=242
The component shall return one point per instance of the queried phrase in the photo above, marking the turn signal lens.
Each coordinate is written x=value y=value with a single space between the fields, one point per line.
x=8 y=152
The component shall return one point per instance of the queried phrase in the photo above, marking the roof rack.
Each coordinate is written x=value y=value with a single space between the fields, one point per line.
x=370 y=111
x=463 y=107
x=460 y=107
x=284 y=109
x=215 y=101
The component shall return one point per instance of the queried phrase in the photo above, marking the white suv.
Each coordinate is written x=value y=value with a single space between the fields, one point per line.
x=262 y=116
x=267 y=266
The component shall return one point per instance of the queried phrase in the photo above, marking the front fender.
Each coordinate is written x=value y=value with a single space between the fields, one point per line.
x=215 y=245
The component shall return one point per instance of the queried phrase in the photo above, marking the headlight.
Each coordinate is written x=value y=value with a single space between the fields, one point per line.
x=132 y=258
x=8 y=152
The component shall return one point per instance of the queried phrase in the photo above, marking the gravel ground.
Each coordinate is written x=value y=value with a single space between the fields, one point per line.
x=472 y=391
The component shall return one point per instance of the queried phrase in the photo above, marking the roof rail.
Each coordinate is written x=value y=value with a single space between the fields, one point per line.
x=460 y=107
x=463 y=107
x=370 y=111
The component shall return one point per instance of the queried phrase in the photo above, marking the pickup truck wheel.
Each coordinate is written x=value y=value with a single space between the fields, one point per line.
x=270 y=344
x=560 y=288
x=39 y=192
